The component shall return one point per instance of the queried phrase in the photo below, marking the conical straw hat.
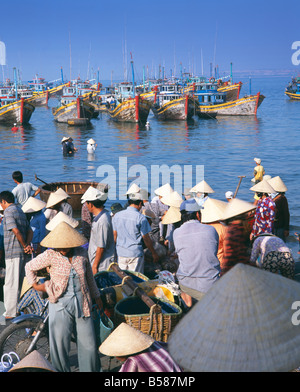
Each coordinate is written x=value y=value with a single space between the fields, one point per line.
x=91 y=141
x=202 y=187
x=63 y=236
x=263 y=187
x=61 y=217
x=213 y=210
x=173 y=215
x=164 y=190
x=54 y=199
x=173 y=199
x=33 y=205
x=244 y=323
x=277 y=184
x=125 y=340
x=34 y=360
x=237 y=207
x=134 y=188
x=60 y=191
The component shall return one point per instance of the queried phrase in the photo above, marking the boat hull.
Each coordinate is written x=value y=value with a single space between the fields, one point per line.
x=178 y=109
x=246 y=106
x=232 y=91
x=40 y=99
x=72 y=111
x=18 y=112
x=293 y=96
x=133 y=110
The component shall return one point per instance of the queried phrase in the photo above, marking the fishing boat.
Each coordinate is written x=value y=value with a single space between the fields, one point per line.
x=206 y=94
x=246 y=106
x=74 y=109
x=171 y=104
x=293 y=89
x=12 y=108
x=232 y=90
x=15 y=111
x=74 y=189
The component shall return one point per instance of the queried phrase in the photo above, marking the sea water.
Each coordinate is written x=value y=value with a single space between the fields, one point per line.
x=224 y=147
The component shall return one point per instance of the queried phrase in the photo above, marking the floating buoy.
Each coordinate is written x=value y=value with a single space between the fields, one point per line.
x=15 y=128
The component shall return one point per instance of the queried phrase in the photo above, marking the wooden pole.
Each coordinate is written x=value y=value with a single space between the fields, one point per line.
x=237 y=188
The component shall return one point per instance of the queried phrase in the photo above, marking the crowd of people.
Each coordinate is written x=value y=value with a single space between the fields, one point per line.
x=203 y=237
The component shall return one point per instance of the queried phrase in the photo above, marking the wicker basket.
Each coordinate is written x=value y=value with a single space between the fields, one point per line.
x=158 y=321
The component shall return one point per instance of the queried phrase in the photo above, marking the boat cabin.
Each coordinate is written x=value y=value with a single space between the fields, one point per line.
x=208 y=94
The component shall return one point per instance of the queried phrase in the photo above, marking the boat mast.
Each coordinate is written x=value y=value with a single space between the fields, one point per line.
x=132 y=70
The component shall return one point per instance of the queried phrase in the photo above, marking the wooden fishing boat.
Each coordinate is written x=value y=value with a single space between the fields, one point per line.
x=293 y=89
x=246 y=106
x=133 y=110
x=232 y=90
x=74 y=189
x=15 y=111
x=171 y=104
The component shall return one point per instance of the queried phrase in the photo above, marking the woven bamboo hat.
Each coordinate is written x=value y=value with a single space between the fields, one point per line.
x=257 y=160
x=213 y=210
x=125 y=340
x=263 y=187
x=61 y=217
x=277 y=184
x=164 y=190
x=33 y=205
x=237 y=207
x=91 y=141
x=134 y=188
x=60 y=191
x=63 y=236
x=54 y=199
x=173 y=199
x=34 y=362
x=173 y=215
x=93 y=194
x=244 y=323
x=64 y=139
x=202 y=187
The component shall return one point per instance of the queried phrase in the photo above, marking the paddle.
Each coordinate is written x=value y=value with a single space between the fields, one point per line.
x=36 y=178
x=237 y=188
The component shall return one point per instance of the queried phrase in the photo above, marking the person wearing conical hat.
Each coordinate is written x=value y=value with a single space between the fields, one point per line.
x=33 y=209
x=56 y=202
x=68 y=146
x=138 y=351
x=236 y=239
x=282 y=213
x=70 y=291
x=101 y=248
x=265 y=209
x=91 y=146
x=212 y=215
x=259 y=171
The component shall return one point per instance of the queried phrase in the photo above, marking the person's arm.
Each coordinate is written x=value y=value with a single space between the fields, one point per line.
x=97 y=260
x=37 y=192
x=149 y=244
x=24 y=243
x=115 y=236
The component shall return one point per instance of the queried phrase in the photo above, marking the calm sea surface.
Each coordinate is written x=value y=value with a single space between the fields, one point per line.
x=225 y=147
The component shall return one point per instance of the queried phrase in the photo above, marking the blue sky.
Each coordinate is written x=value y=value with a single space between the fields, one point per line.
x=41 y=36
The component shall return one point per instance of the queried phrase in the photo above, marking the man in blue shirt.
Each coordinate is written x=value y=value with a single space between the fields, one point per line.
x=130 y=228
x=196 y=245
x=23 y=190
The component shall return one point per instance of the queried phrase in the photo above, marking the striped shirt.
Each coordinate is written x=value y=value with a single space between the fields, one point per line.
x=14 y=218
x=154 y=359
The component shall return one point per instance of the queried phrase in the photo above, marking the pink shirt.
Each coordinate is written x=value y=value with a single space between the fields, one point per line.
x=60 y=268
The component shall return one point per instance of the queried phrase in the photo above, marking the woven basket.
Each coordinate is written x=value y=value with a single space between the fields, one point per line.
x=158 y=321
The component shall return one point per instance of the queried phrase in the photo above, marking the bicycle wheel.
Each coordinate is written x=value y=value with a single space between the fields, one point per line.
x=17 y=338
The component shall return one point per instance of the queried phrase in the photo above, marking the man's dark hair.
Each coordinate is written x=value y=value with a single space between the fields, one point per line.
x=18 y=176
x=7 y=196
x=135 y=202
x=98 y=203
x=186 y=215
